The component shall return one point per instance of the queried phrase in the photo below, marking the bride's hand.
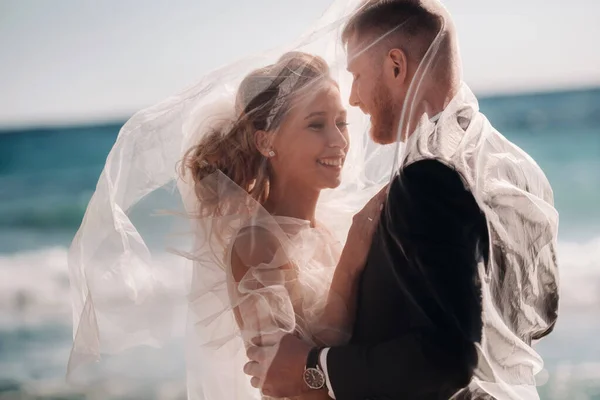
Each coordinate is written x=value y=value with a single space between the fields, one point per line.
x=360 y=235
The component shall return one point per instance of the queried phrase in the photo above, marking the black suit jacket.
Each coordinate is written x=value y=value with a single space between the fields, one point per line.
x=419 y=301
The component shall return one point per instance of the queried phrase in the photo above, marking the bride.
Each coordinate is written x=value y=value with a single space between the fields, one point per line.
x=263 y=172
x=257 y=181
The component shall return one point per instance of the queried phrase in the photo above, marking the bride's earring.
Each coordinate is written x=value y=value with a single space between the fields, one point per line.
x=271 y=153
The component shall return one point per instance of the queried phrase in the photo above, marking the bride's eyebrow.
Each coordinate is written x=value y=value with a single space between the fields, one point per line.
x=315 y=114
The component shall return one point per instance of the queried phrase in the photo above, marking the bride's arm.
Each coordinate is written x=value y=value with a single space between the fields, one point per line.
x=264 y=285
x=259 y=292
x=335 y=324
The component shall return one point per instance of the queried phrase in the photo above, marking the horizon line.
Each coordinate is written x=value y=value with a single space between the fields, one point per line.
x=97 y=120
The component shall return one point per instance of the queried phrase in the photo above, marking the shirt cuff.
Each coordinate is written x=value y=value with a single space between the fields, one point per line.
x=323 y=363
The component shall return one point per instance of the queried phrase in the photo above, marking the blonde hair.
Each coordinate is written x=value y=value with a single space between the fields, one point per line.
x=263 y=98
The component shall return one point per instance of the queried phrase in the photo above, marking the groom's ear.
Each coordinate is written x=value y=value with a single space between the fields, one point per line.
x=398 y=65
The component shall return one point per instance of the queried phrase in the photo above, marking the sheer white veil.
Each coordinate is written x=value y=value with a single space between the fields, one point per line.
x=130 y=289
x=143 y=259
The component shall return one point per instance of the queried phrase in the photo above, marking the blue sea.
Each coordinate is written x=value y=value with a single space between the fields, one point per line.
x=47 y=176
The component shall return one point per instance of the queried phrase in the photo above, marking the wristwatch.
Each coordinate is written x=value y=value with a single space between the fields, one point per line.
x=313 y=375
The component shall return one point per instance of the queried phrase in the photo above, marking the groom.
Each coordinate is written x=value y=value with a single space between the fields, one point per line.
x=419 y=312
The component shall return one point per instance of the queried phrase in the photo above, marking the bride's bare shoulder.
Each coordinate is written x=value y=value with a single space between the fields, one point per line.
x=253 y=246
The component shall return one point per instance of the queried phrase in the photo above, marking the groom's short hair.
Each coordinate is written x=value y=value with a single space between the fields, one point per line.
x=405 y=23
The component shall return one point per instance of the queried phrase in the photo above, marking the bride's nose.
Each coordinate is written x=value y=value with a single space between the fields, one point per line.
x=338 y=139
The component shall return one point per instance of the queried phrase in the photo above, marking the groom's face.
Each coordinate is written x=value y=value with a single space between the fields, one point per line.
x=372 y=89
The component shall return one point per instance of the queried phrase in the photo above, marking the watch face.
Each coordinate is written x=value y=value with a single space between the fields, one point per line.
x=314 y=378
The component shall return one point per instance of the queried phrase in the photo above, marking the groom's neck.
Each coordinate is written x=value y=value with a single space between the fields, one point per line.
x=440 y=96
x=432 y=104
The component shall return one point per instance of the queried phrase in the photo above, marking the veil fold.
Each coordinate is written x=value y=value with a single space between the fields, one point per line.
x=148 y=269
x=519 y=281
x=144 y=273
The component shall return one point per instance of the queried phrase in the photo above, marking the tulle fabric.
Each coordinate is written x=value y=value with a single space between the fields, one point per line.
x=128 y=291
x=519 y=282
x=284 y=293
x=150 y=264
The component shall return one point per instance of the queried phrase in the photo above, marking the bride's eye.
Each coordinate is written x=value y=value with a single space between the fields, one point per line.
x=316 y=126
x=342 y=124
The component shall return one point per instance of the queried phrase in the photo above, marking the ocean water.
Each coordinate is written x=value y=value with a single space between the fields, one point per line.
x=48 y=175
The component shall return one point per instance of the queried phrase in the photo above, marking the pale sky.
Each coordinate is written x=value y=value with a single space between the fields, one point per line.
x=68 y=61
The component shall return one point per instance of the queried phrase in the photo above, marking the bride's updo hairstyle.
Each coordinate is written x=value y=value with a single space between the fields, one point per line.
x=263 y=99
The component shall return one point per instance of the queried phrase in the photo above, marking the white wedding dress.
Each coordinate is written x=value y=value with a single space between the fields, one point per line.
x=285 y=293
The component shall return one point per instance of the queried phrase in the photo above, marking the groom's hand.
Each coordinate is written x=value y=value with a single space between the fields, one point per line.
x=277 y=365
